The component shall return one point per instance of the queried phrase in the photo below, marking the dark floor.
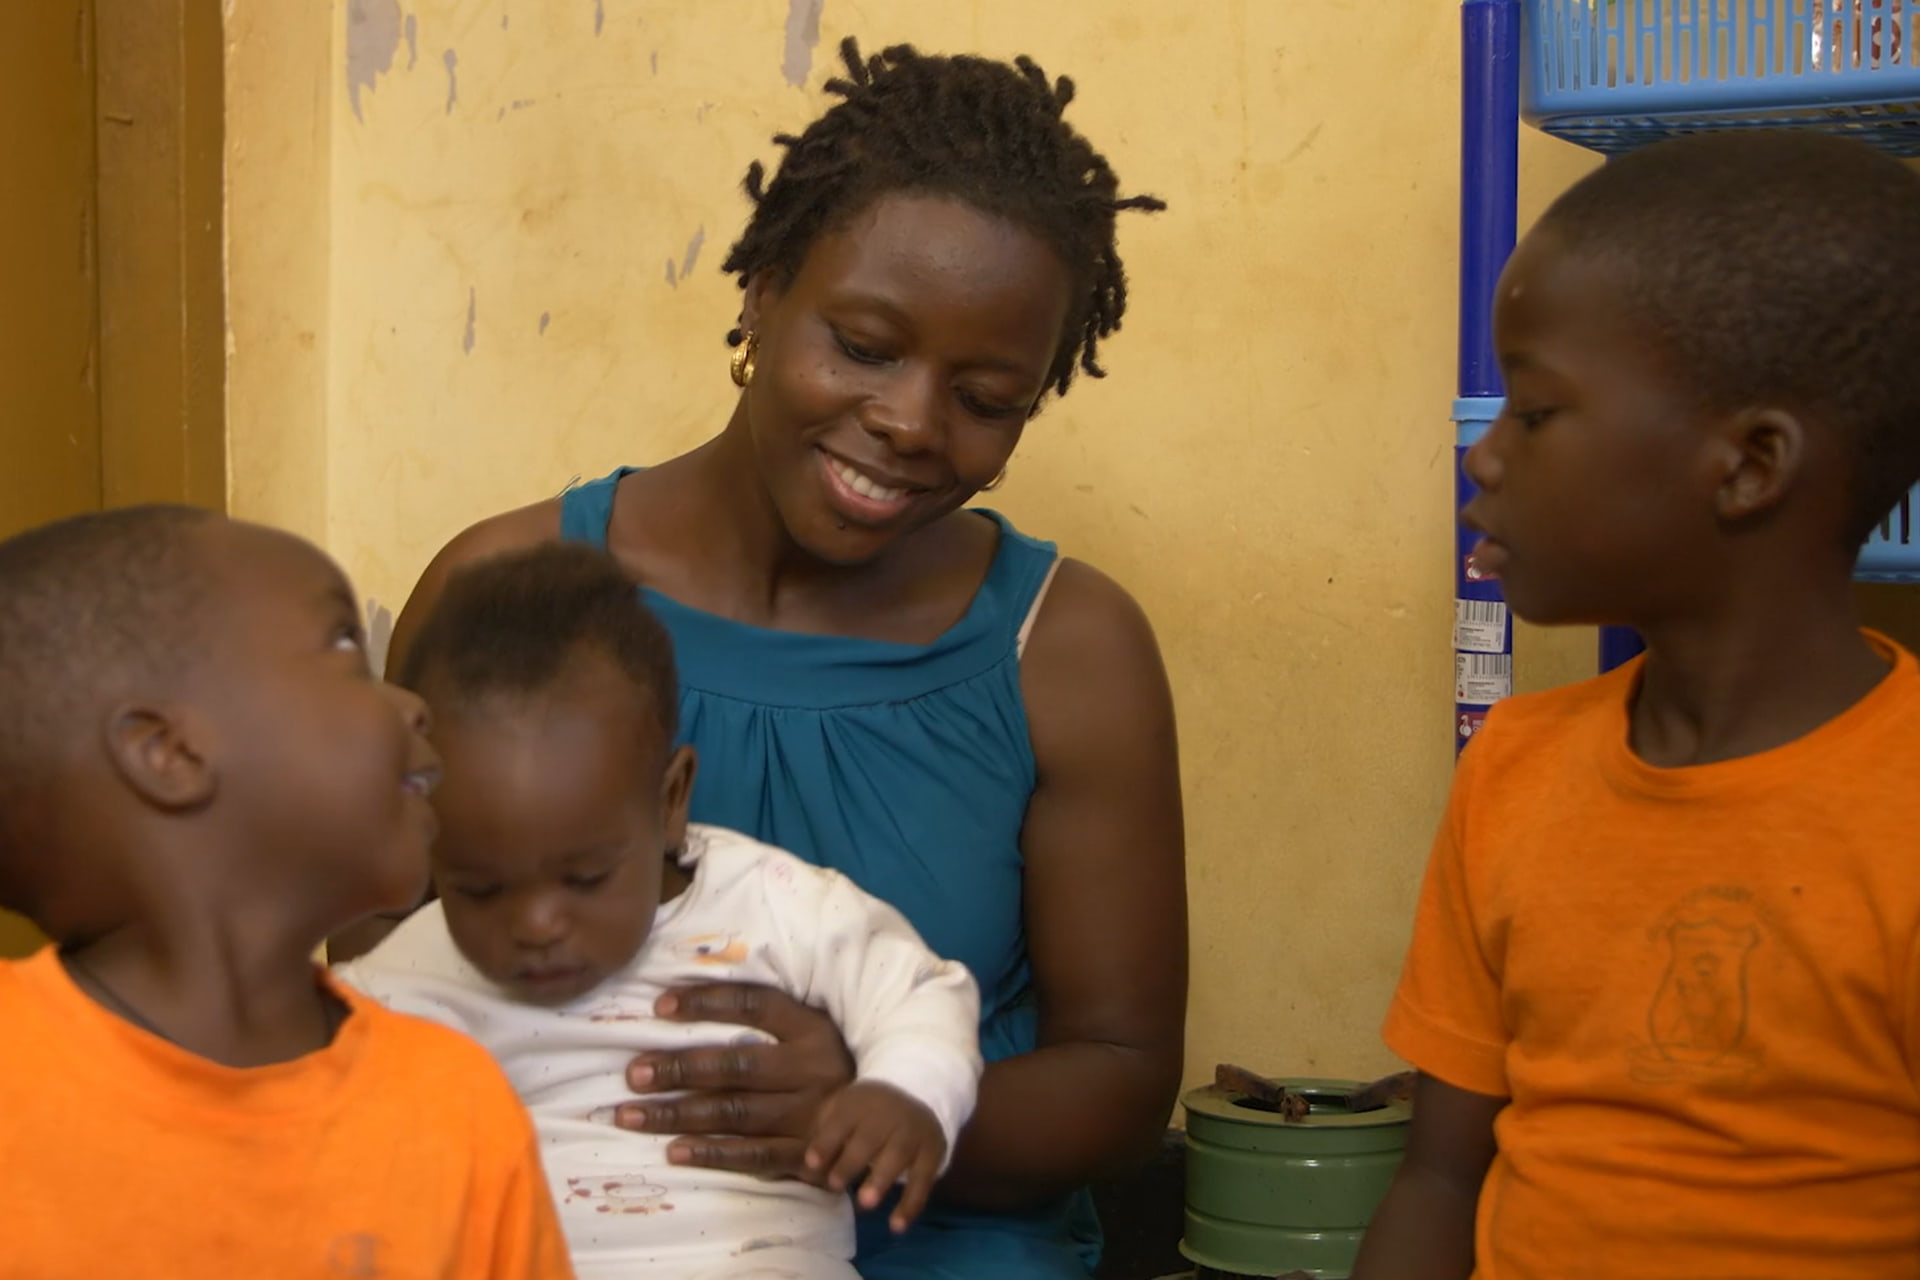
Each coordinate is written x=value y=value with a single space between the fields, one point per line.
x=1141 y=1216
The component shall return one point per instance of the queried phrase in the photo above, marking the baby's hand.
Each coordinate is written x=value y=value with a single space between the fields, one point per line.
x=876 y=1130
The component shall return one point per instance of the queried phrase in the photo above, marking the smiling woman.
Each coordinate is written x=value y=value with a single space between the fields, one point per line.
x=895 y=370
x=909 y=692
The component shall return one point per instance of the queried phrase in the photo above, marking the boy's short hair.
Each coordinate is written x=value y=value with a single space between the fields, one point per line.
x=1774 y=267
x=511 y=624
x=93 y=609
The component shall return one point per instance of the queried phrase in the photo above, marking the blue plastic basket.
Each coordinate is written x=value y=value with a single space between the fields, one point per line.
x=1617 y=74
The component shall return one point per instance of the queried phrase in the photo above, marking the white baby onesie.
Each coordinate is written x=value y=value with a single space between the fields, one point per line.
x=753 y=913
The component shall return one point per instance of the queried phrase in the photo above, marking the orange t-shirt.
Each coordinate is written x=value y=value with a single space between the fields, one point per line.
x=1699 y=988
x=398 y=1152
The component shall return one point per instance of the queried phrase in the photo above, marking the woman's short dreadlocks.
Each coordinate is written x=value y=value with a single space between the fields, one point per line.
x=984 y=132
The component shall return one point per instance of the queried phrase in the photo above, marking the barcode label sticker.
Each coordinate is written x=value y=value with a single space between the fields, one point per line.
x=1479 y=626
x=1482 y=679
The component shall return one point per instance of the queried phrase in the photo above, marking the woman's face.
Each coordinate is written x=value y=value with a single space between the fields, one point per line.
x=897 y=368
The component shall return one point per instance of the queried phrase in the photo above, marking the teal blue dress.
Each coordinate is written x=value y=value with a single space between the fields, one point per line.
x=908 y=768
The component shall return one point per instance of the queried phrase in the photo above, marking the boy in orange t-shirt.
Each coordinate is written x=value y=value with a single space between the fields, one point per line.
x=1664 y=985
x=199 y=780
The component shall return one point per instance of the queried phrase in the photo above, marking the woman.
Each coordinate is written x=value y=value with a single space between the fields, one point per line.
x=910 y=692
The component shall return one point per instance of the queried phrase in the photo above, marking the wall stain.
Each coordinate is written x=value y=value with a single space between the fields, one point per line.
x=379 y=634
x=413 y=41
x=373 y=37
x=473 y=315
x=1300 y=148
x=452 y=61
x=803 y=33
x=693 y=251
x=599 y=15
x=546 y=318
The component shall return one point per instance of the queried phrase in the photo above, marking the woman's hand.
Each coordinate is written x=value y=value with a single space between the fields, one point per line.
x=748 y=1108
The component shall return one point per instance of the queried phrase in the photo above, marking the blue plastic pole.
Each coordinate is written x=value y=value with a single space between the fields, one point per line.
x=1489 y=176
x=1489 y=171
x=1618 y=645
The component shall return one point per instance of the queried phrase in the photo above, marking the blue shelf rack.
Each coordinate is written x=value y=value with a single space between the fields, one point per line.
x=1612 y=75
x=1616 y=74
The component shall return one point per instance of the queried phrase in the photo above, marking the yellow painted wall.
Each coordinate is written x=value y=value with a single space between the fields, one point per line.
x=507 y=277
x=281 y=75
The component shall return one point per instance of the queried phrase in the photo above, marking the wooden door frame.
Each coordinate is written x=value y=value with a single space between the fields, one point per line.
x=158 y=246
x=161 y=240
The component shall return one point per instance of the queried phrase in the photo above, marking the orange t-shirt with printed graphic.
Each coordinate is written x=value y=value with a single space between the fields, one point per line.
x=1699 y=988
x=399 y=1152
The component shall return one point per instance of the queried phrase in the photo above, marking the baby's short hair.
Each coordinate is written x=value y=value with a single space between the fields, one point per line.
x=513 y=624
x=94 y=609
x=1774 y=267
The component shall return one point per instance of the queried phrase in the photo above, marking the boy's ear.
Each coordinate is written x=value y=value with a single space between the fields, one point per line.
x=1761 y=455
x=676 y=792
x=155 y=748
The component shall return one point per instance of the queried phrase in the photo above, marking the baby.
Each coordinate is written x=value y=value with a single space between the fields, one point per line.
x=573 y=893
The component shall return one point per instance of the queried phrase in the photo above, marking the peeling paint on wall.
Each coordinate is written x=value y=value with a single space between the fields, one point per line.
x=803 y=33
x=693 y=251
x=373 y=36
x=473 y=315
x=452 y=60
x=379 y=634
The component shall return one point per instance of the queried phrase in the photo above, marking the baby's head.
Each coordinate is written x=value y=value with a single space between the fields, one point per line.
x=555 y=705
x=1709 y=347
x=188 y=724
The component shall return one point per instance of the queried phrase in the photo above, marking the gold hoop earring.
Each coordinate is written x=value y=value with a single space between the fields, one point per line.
x=741 y=366
x=995 y=483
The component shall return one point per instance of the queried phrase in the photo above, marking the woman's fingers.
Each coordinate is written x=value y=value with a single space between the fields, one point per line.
x=746 y=1115
x=763 y=1068
x=743 y=1004
x=807 y=1054
x=761 y=1157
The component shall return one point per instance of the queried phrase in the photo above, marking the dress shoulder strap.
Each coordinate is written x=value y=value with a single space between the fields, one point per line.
x=586 y=509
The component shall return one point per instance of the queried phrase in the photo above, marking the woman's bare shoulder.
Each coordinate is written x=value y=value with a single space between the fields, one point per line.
x=514 y=530
x=496 y=535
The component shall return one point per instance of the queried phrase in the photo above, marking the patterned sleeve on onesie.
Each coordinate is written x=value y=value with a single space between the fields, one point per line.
x=1446 y=1016
x=910 y=1018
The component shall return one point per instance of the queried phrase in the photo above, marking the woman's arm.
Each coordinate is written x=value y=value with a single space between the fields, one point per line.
x=1105 y=846
x=510 y=531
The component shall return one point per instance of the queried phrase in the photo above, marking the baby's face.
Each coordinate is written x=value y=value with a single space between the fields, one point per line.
x=556 y=817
